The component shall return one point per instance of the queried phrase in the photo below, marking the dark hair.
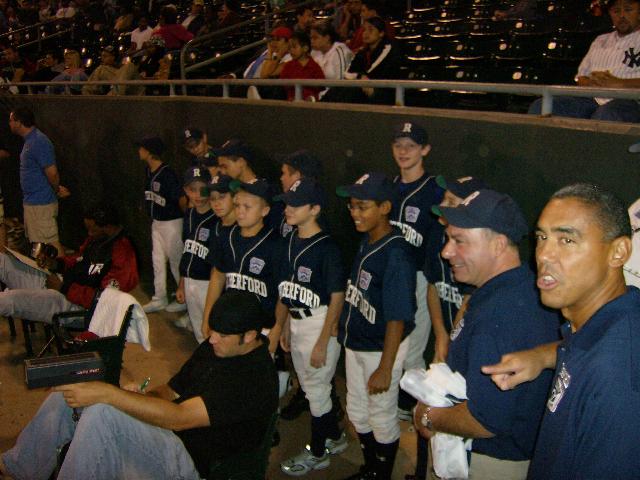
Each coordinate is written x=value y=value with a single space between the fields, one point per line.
x=169 y=14
x=377 y=23
x=103 y=215
x=300 y=10
x=24 y=116
x=324 y=28
x=302 y=38
x=610 y=3
x=376 y=5
x=609 y=211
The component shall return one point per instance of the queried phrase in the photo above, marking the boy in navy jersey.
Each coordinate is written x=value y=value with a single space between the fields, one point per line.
x=164 y=201
x=221 y=201
x=198 y=227
x=416 y=192
x=311 y=295
x=376 y=320
x=195 y=142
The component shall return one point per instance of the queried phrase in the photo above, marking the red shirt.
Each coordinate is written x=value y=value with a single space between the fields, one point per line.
x=174 y=35
x=294 y=69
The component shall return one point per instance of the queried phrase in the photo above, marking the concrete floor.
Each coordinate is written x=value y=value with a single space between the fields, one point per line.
x=170 y=348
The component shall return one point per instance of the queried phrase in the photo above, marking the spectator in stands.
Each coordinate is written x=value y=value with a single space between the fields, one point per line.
x=334 y=57
x=270 y=62
x=154 y=65
x=351 y=20
x=301 y=65
x=611 y=62
x=173 y=34
x=48 y=67
x=229 y=14
x=73 y=72
x=107 y=70
x=304 y=19
x=124 y=21
x=195 y=20
x=13 y=70
x=65 y=10
x=140 y=35
x=524 y=9
x=13 y=22
x=370 y=9
x=45 y=13
x=378 y=59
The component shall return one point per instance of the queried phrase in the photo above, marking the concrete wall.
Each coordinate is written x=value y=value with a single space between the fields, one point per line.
x=526 y=157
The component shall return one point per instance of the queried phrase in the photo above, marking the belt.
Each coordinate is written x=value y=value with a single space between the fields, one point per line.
x=300 y=313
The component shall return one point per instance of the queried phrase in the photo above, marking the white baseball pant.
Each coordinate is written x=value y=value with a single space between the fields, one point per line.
x=419 y=337
x=195 y=292
x=166 y=244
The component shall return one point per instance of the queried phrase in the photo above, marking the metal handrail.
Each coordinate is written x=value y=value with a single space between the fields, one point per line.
x=547 y=92
x=39 y=32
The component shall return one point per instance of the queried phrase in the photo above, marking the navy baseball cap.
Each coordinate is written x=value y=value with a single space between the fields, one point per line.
x=411 y=130
x=220 y=183
x=196 y=173
x=258 y=187
x=304 y=162
x=237 y=312
x=191 y=136
x=488 y=209
x=303 y=192
x=154 y=145
x=461 y=187
x=235 y=148
x=370 y=186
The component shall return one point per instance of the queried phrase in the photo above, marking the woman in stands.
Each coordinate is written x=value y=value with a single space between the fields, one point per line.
x=73 y=72
x=334 y=57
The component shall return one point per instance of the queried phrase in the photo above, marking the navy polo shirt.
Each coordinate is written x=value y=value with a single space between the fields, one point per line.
x=197 y=231
x=380 y=289
x=591 y=423
x=504 y=315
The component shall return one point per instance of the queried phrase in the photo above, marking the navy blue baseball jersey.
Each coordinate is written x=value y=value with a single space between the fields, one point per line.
x=380 y=288
x=591 y=415
x=412 y=214
x=250 y=263
x=311 y=270
x=504 y=315
x=197 y=231
x=162 y=193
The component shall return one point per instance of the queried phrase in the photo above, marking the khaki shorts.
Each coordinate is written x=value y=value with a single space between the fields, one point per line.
x=40 y=222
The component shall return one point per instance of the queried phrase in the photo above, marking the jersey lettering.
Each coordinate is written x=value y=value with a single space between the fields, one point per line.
x=410 y=234
x=237 y=281
x=356 y=298
x=155 y=198
x=195 y=248
x=449 y=293
x=299 y=293
x=95 y=268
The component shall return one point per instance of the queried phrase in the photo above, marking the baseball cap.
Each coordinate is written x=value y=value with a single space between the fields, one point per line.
x=220 y=183
x=487 y=209
x=370 y=186
x=303 y=192
x=461 y=187
x=198 y=2
x=304 y=162
x=235 y=148
x=411 y=130
x=282 y=32
x=258 y=187
x=197 y=173
x=154 y=145
x=236 y=312
x=191 y=136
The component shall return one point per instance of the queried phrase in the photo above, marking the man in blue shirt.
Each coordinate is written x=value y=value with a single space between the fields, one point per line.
x=39 y=180
x=503 y=314
x=591 y=416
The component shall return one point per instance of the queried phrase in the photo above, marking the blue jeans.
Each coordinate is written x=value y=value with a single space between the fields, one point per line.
x=105 y=444
x=582 y=107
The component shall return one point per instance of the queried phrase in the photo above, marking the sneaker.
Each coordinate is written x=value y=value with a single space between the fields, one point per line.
x=182 y=322
x=155 y=305
x=303 y=463
x=175 y=307
x=405 y=415
x=337 y=446
x=296 y=406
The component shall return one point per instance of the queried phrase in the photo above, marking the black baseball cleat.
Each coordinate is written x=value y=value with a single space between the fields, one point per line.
x=296 y=406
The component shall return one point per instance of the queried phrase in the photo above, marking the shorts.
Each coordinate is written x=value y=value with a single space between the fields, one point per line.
x=40 y=222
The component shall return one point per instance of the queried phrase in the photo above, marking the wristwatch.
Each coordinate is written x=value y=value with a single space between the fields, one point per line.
x=425 y=421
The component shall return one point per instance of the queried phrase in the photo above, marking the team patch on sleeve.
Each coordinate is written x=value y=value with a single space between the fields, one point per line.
x=411 y=214
x=203 y=234
x=304 y=274
x=256 y=265
x=365 y=280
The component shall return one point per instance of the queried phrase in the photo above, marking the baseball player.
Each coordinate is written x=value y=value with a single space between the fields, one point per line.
x=221 y=201
x=416 y=192
x=311 y=295
x=164 y=201
x=196 y=143
x=195 y=269
x=375 y=323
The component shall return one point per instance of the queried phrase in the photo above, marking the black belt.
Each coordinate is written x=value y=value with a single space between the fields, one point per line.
x=300 y=313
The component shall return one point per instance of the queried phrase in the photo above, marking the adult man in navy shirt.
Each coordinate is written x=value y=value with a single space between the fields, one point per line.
x=504 y=314
x=39 y=180
x=591 y=417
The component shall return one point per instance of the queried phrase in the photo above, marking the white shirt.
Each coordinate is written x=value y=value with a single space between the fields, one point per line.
x=140 y=37
x=632 y=267
x=335 y=62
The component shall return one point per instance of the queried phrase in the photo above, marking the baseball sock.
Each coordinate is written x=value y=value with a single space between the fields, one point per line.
x=385 y=458
x=368 y=446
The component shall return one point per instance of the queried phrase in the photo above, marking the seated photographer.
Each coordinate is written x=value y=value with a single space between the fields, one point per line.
x=177 y=430
x=106 y=258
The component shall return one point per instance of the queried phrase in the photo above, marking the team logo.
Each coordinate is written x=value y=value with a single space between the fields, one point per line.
x=457 y=329
x=95 y=268
x=562 y=382
x=411 y=214
x=631 y=58
x=365 y=280
x=196 y=172
x=406 y=128
x=203 y=234
x=215 y=180
x=295 y=185
x=362 y=179
x=256 y=265
x=187 y=133
x=304 y=274
x=463 y=179
x=286 y=229
x=155 y=186
x=470 y=198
